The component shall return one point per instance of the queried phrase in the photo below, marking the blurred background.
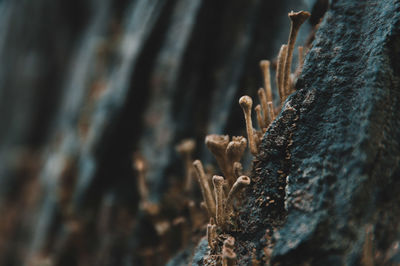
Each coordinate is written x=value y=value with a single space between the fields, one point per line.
x=86 y=85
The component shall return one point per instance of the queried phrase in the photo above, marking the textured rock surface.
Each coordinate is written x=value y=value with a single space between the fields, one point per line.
x=84 y=84
x=326 y=184
x=343 y=165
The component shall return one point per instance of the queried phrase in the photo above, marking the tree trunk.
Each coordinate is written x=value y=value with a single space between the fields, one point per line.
x=88 y=87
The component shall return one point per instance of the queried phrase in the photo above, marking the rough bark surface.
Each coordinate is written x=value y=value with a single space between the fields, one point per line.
x=343 y=179
x=86 y=84
x=327 y=180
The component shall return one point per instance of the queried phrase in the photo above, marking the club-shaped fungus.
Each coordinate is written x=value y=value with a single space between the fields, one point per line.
x=297 y=19
x=246 y=103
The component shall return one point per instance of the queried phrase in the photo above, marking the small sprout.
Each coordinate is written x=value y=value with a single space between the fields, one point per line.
x=205 y=188
x=217 y=144
x=241 y=182
x=186 y=149
x=237 y=169
x=297 y=19
x=246 y=103
x=280 y=70
x=263 y=100
x=228 y=255
x=260 y=118
x=218 y=182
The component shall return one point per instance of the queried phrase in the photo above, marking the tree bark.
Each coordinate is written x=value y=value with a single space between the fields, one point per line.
x=85 y=85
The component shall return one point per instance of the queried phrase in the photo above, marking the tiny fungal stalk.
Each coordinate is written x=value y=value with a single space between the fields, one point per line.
x=246 y=103
x=241 y=182
x=205 y=188
x=228 y=153
x=297 y=19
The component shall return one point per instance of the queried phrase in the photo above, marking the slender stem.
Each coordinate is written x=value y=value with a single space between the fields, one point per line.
x=246 y=103
x=205 y=188
x=218 y=182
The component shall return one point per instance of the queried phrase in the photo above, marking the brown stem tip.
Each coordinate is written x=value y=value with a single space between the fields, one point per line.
x=241 y=182
x=299 y=17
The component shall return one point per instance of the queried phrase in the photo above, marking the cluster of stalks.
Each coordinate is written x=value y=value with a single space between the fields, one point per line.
x=228 y=153
x=219 y=192
x=219 y=201
x=176 y=216
x=266 y=111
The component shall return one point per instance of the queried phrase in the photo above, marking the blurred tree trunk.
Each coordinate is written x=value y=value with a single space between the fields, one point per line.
x=86 y=84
